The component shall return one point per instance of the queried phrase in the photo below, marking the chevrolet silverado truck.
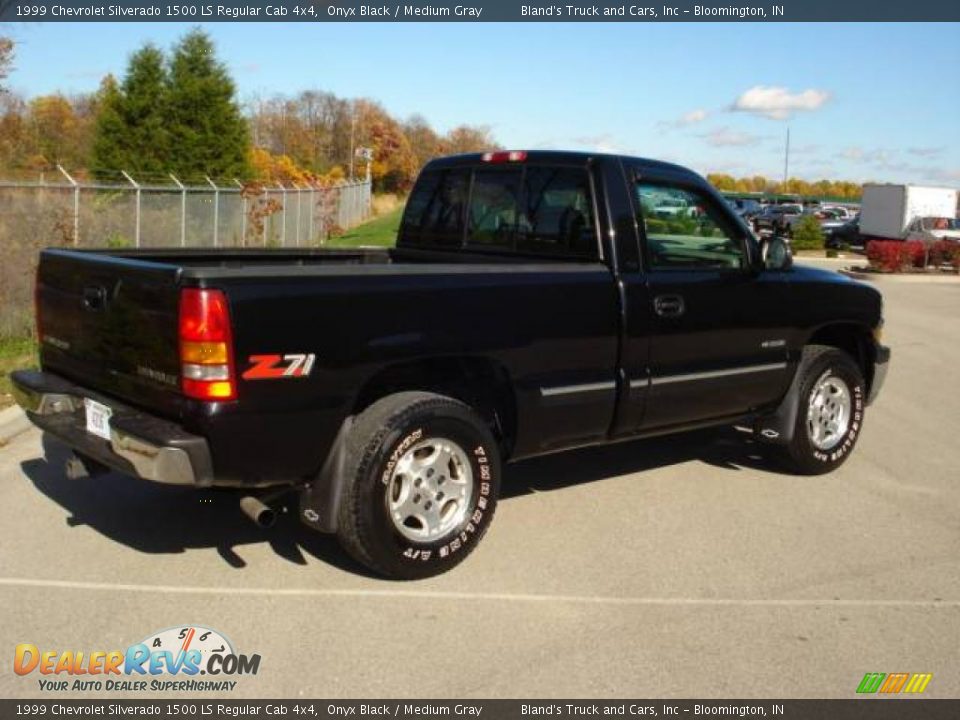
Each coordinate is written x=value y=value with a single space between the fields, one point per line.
x=534 y=302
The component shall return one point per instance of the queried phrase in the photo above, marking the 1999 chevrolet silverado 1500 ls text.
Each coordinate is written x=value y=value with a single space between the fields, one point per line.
x=535 y=302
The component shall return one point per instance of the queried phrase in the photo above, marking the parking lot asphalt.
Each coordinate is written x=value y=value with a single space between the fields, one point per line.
x=673 y=567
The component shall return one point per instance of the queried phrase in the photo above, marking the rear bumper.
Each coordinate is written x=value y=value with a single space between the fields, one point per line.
x=140 y=444
x=880 y=367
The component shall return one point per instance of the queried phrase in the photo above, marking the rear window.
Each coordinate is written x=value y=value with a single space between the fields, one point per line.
x=531 y=210
x=494 y=208
x=557 y=217
x=435 y=209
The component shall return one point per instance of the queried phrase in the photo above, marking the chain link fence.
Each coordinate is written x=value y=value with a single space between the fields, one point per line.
x=38 y=214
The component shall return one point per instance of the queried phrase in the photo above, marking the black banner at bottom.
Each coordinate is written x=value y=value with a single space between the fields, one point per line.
x=866 y=709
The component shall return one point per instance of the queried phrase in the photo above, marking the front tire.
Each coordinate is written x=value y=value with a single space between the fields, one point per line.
x=830 y=414
x=420 y=486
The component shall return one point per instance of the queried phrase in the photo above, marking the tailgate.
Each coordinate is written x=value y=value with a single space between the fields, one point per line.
x=110 y=324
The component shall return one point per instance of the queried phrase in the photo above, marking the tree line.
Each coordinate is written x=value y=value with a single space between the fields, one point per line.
x=838 y=189
x=178 y=112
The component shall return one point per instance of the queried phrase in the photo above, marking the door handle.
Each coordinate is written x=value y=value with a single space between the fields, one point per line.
x=668 y=305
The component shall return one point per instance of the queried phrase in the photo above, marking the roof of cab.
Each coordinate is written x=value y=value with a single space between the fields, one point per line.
x=561 y=156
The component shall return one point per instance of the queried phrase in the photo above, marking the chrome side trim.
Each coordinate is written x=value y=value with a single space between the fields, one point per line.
x=639 y=383
x=709 y=375
x=571 y=389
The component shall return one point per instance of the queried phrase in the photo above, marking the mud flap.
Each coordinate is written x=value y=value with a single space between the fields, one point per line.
x=778 y=427
x=320 y=500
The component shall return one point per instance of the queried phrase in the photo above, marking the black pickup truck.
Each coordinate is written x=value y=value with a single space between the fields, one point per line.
x=535 y=302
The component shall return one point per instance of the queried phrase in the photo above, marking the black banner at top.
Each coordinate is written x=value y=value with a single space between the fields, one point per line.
x=480 y=11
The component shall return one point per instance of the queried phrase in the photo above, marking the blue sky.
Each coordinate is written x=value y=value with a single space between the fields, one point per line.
x=862 y=101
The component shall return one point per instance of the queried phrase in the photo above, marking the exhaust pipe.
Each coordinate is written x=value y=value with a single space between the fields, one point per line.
x=261 y=514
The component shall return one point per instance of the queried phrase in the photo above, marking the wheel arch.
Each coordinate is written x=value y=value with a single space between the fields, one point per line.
x=478 y=381
x=853 y=338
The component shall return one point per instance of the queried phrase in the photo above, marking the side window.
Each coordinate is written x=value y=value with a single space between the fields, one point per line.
x=684 y=230
x=435 y=210
x=494 y=203
x=557 y=213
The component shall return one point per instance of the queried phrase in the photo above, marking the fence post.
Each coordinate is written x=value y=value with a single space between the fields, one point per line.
x=183 y=211
x=266 y=199
x=136 y=232
x=283 y=211
x=299 y=192
x=216 y=208
x=243 y=215
x=76 y=204
x=310 y=209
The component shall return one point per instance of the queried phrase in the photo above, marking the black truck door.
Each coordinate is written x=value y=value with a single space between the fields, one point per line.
x=718 y=341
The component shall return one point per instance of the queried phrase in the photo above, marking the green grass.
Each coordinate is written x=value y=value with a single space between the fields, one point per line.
x=14 y=354
x=381 y=231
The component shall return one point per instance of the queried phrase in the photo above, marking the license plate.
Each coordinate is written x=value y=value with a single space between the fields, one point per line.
x=98 y=418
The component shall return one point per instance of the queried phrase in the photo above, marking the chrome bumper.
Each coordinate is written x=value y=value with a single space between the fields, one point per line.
x=140 y=444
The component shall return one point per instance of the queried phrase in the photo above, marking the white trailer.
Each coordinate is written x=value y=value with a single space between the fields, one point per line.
x=888 y=209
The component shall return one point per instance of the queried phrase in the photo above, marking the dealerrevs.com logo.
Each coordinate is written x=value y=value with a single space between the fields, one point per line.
x=170 y=660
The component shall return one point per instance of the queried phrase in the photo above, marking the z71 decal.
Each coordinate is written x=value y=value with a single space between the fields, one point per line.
x=276 y=367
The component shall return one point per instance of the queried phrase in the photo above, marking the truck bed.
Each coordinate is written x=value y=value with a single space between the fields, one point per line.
x=265 y=262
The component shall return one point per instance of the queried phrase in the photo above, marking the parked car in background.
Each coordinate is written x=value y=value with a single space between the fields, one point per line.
x=838 y=212
x=847 y=233
x=889 y=211
x=932 y=229
x=669 y=207
x=831 y=219
x=746 y=208
x=775 y=218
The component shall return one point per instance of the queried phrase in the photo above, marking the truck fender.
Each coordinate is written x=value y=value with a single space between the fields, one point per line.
x=320 y=499
x=778 y=427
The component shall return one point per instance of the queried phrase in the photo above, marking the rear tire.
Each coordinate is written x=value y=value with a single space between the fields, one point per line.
x=420 y=486
x=830 y=413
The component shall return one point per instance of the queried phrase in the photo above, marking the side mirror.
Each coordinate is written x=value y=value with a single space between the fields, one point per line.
x=776 y=254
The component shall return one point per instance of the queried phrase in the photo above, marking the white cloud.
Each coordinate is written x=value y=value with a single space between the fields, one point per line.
x=778 y=103
x=877 y=156
x=687 y=119
x=926 y=152
x=694 y=116
x=941 y=175
x=725 y=137
x=604 y=143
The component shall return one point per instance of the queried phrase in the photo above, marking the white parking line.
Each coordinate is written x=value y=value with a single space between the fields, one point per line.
x=453 y=595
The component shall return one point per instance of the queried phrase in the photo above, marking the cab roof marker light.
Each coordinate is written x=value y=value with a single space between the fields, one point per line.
x=502 y=156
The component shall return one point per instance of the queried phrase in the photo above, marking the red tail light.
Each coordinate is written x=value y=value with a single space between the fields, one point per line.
x=206 y=346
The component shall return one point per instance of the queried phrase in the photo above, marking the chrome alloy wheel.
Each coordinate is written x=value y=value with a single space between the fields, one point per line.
x=828 y=414
x=429 y=492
